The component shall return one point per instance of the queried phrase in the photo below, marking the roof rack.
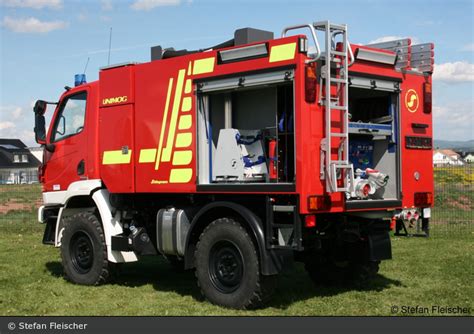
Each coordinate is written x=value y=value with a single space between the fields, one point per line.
x=419 y=57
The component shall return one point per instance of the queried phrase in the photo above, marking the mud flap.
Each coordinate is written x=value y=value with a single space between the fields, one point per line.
x=277 y=261
x=50 y=231
x=380 y=247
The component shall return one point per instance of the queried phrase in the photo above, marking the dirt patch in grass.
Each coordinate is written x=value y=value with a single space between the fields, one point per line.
x=464 y=199
x=19 y=197
x=15 y=205
x=461 y=203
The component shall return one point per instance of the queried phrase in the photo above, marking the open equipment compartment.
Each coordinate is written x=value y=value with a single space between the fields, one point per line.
x=246 y=129
x=373 y=139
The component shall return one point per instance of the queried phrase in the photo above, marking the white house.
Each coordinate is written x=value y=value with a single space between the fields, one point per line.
x=447 y=157
x=469 y=158
x=37 y=152
x=17 y=164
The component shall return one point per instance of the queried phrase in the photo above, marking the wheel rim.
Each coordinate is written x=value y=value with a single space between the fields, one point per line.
x=226 y=267
x=82 y=252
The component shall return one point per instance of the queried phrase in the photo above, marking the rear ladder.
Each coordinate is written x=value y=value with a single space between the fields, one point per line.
x=335 y=71
x=339 y=169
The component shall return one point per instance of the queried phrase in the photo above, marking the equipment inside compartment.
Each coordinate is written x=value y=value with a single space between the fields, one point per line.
x=373 y=143
x=246 y=135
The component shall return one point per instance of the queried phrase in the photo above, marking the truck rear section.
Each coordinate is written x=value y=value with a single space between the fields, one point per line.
x=236 y=161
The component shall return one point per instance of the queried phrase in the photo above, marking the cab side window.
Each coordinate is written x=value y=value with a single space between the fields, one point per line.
x=71 y=117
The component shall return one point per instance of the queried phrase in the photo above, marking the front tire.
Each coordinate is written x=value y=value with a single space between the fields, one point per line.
x=83 y=250
x=227 y=267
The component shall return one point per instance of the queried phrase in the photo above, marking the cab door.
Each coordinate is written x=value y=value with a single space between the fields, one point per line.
x=68 y=140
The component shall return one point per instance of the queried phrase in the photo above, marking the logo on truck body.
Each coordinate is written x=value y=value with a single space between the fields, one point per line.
x=411 y=100
x=113 y=100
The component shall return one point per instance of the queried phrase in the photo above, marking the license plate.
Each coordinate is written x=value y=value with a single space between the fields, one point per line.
x=427 y=213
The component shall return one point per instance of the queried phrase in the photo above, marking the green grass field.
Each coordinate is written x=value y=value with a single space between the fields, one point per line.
x=423 y=272
x=454 y=195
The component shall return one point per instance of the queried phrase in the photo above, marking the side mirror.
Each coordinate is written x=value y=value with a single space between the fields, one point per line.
x=40 y=107
x=40 y=129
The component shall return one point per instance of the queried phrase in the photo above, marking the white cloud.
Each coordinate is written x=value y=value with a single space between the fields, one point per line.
x=16 y=113
x=82 y=17
x=150 y=4
x=459 y=71
x=6 y=125
x=107 y=5
x=428 y=23
x=383 y=39
x=16 y=123
x=468 y=47
x=28 y=137
x=32 y=25
x=35 y=4
x=453 y=121
x=11 y=112
x=105 y=18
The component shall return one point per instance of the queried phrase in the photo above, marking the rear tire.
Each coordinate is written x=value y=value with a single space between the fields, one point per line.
x=227 y=267
x=83 y=250
x=363 y=273
x=324 y=272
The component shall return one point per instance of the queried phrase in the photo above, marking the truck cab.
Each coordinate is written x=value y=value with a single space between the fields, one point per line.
x=71 y=141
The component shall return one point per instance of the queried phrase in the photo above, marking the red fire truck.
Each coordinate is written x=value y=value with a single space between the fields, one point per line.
x=238 y=159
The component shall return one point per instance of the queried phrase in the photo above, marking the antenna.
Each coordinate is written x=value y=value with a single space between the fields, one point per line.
x=110 y=45
x=87 y=63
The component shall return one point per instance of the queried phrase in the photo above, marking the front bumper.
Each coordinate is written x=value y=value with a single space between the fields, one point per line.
x=41 y=218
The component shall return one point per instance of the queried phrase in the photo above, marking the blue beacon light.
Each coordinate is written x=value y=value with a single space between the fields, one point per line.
x=79 y=79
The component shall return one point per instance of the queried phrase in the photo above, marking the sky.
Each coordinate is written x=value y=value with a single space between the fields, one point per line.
x=43 y=43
